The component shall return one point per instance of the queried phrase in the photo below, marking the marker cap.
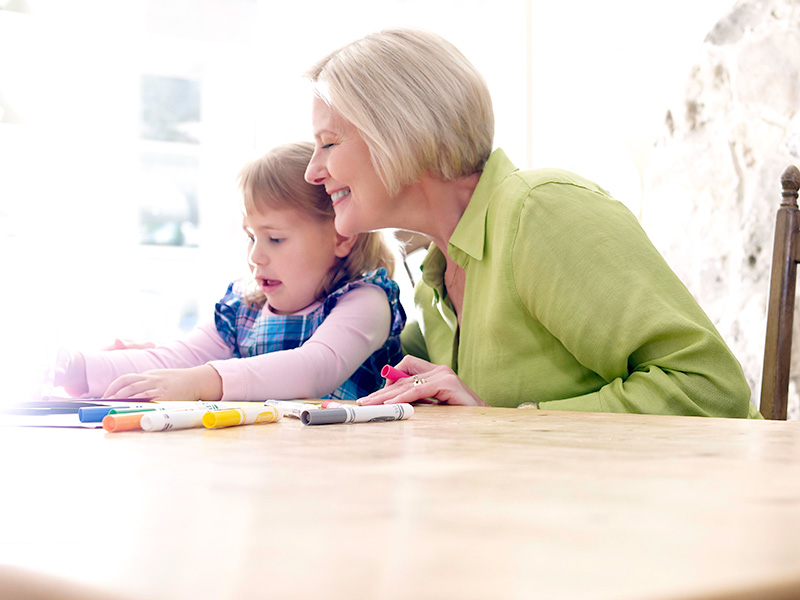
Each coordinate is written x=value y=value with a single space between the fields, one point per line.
x=327 y=416
x=116 y=423
x=389 y=373
x=222 y=418
x=92 y=414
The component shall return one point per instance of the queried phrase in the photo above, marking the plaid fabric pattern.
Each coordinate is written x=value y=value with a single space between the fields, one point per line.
x=249 y=332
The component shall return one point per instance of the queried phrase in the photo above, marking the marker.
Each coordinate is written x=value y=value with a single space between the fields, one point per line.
x=95 y=414
x=291 y=408
x=117 y=423
x=230 y=417
x=128 y=410
x=177 y=418
x=391 y=374
x=357 y=414
x=331 y=404
x=123 y=410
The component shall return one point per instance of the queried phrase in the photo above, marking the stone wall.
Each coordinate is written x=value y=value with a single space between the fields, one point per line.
x=712 y=185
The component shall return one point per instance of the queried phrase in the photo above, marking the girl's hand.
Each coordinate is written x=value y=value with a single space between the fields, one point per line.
x=70 y=373
x=435 y=381
x=196 y=383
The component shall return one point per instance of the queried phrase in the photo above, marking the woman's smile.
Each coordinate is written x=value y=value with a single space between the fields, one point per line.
x=338 y=195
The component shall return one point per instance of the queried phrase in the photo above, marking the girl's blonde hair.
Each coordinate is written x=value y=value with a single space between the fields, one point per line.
x=419 y=104
x=277 y=180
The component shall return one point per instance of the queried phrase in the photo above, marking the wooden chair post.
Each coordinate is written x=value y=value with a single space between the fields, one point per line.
x=780 y=309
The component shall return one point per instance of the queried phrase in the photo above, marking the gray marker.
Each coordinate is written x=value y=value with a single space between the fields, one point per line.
x=357 y=414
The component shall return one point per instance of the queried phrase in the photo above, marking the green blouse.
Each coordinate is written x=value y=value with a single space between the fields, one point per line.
x=568 y=304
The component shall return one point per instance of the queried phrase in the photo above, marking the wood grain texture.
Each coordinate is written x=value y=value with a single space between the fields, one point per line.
x=453 y=503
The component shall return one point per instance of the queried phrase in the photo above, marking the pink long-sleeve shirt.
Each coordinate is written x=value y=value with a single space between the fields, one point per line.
x=356 y=328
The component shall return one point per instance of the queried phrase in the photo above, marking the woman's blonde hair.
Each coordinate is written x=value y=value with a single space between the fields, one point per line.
x=419 y=104
x=277 y=181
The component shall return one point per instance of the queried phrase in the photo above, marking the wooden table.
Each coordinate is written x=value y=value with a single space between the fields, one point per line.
x=454 y=503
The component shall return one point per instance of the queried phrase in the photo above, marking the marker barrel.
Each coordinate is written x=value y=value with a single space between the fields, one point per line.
x=179 y=418
x=167 y=406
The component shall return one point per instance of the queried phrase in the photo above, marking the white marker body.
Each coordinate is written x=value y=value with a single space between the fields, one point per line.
x=179 y=418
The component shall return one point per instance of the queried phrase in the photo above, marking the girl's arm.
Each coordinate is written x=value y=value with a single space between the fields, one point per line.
x=358 y=326
x=200 y=346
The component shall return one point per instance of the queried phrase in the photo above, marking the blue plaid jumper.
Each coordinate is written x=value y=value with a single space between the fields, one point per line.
x=250 y=332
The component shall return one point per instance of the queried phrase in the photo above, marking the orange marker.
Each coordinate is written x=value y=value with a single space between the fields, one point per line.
x=122 y=422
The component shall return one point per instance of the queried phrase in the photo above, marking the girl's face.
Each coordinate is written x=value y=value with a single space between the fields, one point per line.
x=341 y=162
x=290 y=255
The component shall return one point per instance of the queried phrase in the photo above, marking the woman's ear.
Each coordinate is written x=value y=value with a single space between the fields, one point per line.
x=344 y=245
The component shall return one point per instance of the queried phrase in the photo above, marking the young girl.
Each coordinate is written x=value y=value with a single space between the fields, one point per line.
x=318 y=318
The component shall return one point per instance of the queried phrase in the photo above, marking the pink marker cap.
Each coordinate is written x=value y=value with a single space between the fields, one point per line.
x=391 y=374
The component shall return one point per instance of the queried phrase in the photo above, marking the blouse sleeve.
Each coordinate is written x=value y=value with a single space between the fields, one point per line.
x=356 y=328
x=594 y=279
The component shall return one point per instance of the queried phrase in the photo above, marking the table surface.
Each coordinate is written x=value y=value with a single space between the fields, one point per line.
x=453 y=503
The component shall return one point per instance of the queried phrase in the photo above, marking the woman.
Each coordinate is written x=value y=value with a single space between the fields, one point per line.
x=539 y=287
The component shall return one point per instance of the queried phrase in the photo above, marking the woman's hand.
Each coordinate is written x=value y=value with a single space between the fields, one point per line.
x=196 y=383
x=432 y=381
